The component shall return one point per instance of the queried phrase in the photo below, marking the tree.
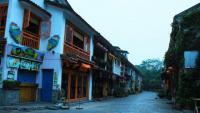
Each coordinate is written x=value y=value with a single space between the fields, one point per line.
x=151 y=69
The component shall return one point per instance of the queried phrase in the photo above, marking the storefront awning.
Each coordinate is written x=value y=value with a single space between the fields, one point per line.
x=28 y=4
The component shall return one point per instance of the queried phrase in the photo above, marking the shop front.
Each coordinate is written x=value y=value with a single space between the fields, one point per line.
x=75 y=80
x=23 y=65
x=103 y=84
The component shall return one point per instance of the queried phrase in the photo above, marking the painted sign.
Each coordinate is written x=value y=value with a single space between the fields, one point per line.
x=25 y=52
x=1 y=76
x=53 y=42
x=190 y=58
x=35 y=66
x=25 y=64
x=11 y=73
x=15 y=32
x=13 y=62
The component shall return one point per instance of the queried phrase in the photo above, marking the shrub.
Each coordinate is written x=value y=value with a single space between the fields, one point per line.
x=11 y=84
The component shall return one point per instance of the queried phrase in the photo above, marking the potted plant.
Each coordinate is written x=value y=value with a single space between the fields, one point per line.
x=11 y=84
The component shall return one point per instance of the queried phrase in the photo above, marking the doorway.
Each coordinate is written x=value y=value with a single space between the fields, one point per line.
x=47 y=85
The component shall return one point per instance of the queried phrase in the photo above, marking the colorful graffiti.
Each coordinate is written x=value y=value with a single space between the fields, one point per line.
x=11 y=74
x=25 y=52
x=22 y=64
x=53 y=42
x=25 y=64
x=15 y=32
x=13 y=62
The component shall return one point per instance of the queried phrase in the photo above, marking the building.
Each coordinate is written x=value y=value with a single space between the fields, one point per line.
x=51 y=50
x=182 y=58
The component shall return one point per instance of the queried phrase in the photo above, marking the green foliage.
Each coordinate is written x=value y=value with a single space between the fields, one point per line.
x=11 y=84
x=185 y=36
x=151 y=70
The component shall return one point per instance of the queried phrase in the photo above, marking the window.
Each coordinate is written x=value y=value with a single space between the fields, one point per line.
x=34 y=25
x=78 y=40
x=31 y=30
x=75 y=37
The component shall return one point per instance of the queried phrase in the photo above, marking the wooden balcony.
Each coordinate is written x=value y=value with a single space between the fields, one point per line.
x=75 y=51
x=30 y=40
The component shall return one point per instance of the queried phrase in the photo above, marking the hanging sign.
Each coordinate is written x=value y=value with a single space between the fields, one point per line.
x=25 y=52
x=13 y=62
x=25 y=64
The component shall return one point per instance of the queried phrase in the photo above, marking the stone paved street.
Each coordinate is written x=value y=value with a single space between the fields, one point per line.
x=145 y=102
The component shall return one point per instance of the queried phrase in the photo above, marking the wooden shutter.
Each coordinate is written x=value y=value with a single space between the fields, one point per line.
x=27 y=14
x=45 y=29
x=69 y=35
x=87 y=41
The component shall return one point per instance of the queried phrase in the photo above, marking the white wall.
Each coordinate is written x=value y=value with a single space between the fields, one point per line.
x=57 y=28
x=52 y=61
x=116 y=68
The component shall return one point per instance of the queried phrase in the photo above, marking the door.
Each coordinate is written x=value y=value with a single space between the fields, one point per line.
x=73 y=87
x=28 y=87
x=47 y=85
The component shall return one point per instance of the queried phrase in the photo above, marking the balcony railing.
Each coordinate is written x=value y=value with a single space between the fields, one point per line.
x=30 y=40
x=73 y=50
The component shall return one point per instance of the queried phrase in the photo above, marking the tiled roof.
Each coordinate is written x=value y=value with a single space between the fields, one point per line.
x=60 y=3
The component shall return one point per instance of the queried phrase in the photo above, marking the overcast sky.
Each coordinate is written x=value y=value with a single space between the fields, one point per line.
x=140 y=26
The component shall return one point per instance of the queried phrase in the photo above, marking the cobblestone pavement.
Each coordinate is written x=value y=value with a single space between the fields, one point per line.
x=146 y=102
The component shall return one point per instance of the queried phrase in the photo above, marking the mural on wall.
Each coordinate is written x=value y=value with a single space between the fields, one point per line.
x=22 y=64
x=25 y=64
x=35 y=66
x=15 y=32
x=13 y=62
x=53 y=42
x=11 y=73
x=26 y=52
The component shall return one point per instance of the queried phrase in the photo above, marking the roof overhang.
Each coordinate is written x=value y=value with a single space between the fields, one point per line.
x=35 y=9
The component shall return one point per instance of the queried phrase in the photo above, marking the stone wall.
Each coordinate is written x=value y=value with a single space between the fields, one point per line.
x=9 y=97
